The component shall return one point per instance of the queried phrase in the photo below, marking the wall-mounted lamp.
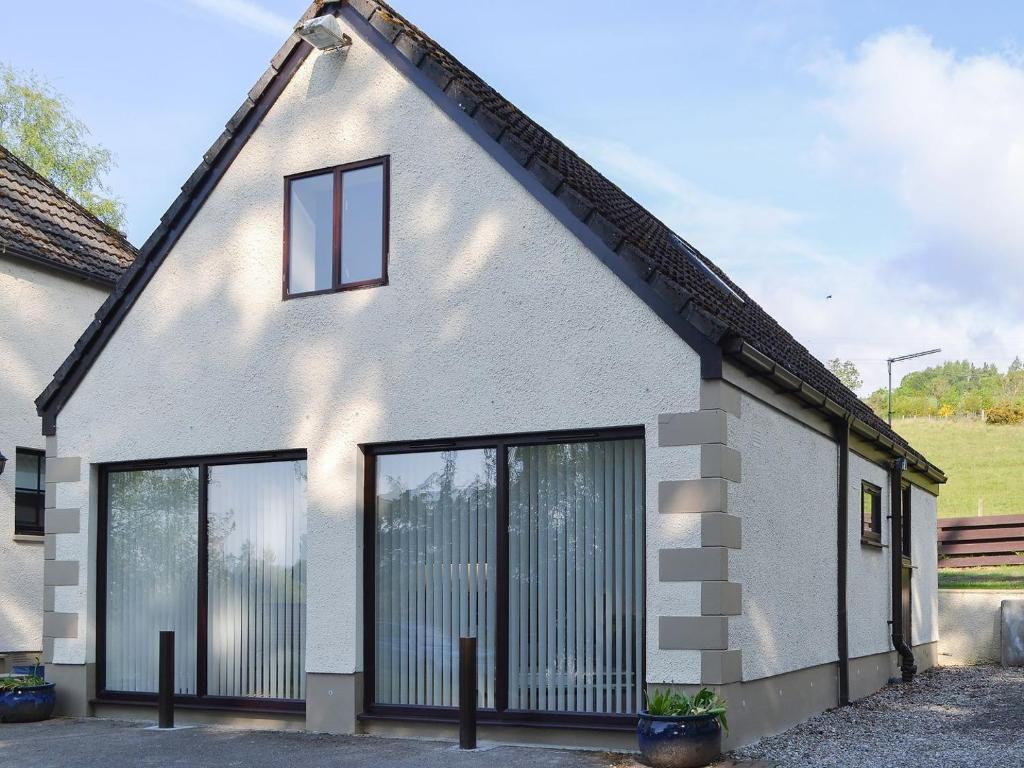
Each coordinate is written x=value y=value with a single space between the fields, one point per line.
x=324 y=32
x=3 y=462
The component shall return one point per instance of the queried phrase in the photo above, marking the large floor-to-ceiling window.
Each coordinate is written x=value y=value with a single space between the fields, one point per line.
x=213 y=549
x=532 y=544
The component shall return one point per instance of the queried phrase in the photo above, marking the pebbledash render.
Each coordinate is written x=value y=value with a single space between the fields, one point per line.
x=399 y=367
x=58 y=263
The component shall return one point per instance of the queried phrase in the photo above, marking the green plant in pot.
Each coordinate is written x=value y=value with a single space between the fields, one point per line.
x=26 y=698
x=680 y=731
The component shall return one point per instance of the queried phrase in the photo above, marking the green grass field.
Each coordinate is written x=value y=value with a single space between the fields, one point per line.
x=983 y=462
x=996 y=577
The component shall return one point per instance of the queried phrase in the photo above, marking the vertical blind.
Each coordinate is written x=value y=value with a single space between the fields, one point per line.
x=151 y=569
x=574 y=627
x=435 y=581
x=257 y=580
x=576 y=576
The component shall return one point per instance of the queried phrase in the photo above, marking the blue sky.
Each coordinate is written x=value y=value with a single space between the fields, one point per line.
x=869 y=151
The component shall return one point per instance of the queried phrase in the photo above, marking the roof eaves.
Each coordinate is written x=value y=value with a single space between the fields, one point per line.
x=106 y=281
x=792 y=384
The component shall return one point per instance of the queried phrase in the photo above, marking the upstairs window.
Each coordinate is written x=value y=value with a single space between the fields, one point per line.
x=29 y=491
x=871 y=513
x=336 y=228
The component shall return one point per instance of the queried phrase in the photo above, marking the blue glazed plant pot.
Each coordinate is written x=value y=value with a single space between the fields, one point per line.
x=27 y=704
x=679 y=742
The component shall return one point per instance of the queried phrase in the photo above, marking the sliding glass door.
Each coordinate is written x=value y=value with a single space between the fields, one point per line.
x=257 y=577
x=435 y=574
x=215 y=551
x=576 y=576
x=152 y=569
x=533 y=545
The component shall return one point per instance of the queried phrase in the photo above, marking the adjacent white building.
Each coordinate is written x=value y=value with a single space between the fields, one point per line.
x=57 y=265
x=399 y=367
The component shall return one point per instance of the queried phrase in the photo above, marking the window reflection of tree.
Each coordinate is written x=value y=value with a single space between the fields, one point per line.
x=435 y=546
x=257 y=596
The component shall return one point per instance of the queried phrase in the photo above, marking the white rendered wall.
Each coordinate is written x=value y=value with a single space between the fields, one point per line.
x=924 y=556
x=44 y=313
x=496 y=319
x=868 y=582
x=787 y=566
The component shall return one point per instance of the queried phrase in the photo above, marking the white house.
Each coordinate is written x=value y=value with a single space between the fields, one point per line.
x=57 y=265
x=398 y=367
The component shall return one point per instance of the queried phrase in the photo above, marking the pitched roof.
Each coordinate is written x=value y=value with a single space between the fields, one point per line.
x=678 y=281
x=40 y=223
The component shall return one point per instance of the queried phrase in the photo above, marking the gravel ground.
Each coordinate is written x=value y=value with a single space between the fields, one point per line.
x=948 y=717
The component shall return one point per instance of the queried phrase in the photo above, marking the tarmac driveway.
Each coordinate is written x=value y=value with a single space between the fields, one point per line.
x=108 y=743
x=951 y=717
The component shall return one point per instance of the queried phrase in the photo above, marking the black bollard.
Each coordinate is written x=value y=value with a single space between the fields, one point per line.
x=166 y=694
x=467 y=693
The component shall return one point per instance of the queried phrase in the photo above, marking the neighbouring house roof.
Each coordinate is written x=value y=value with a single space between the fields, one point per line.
x=699 y=300
x=40 y=223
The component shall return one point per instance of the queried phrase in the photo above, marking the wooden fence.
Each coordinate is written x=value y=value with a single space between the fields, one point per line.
x=992 y=540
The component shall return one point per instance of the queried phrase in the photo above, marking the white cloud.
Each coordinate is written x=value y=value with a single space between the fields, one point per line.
x=715 y=224
x=946 y=291
x=945 y=133
x=246 y=13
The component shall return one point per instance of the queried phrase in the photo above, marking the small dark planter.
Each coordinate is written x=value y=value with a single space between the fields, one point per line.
x=27 y=704
x=679 y=742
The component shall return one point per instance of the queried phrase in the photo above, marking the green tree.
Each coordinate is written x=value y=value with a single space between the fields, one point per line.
x=846 y=372
x=37 y=126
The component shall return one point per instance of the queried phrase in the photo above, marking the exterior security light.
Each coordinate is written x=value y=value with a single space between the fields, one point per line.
x=3 y=462
x=324 y=32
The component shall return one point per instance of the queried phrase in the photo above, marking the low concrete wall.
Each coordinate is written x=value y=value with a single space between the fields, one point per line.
x=969 y=624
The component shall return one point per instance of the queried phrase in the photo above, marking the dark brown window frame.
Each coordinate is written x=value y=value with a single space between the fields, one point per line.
x=908 y=525
x=39 y=496
x=501 y=714
x=336 y=283
x=869 y=533
x=199 y=700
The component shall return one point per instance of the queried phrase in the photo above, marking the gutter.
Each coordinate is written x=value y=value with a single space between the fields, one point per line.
x=791 y=383
x=55 y=266
x=842 y=431
x=899 y=640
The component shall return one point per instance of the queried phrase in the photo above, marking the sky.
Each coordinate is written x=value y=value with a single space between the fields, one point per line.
x=858 y=168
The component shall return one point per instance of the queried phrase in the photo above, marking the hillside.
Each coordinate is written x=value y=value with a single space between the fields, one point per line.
x=983 y=463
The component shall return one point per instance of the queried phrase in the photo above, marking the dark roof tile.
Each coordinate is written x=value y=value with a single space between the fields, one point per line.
x=39 y=222
x=683 y=272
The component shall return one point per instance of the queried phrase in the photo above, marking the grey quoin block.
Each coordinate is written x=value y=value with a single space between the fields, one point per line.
x=716 y=394
x=64 y=470
x=721 y=530
x=721 y=667
x=717 y=460
x=703 y=495
x=703 y=564
x=60 y=625
x=721 y=598
x=1011 y=633
x=693 y=633
x=60 y=573
x=62 y=520
x=692 y=428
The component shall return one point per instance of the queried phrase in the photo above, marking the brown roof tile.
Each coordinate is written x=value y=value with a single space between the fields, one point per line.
x=41 y=223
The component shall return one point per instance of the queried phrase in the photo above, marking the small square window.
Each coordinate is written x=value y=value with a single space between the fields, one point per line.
x=336 y=228
x=871 y=513
x=29 y=491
